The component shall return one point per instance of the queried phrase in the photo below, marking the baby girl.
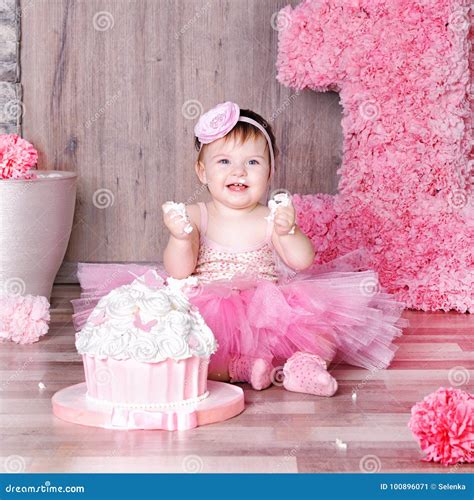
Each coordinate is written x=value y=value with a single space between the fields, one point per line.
x=237 y=247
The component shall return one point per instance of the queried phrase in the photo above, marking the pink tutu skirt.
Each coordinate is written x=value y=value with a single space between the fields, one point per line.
x=340 y=314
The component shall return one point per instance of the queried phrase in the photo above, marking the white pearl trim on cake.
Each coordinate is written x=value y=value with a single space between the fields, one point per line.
x=150 y=406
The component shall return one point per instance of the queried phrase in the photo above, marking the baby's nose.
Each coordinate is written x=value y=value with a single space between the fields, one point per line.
x=240 y=167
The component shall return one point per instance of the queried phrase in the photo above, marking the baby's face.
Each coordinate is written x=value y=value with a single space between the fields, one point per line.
x=237 y=174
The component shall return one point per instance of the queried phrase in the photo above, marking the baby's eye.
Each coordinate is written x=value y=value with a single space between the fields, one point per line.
x=224 y=161
x=253 y=162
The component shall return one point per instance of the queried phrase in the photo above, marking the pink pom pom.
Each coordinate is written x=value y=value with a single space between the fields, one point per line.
x=443 y=424
x=17 y=157
x=23 y=319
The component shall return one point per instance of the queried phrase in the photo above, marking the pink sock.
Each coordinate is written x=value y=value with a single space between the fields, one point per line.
x=307 y=373
x=256 y=371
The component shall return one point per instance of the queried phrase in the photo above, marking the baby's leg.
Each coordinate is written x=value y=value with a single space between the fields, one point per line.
x=219 y=376
x=307 y=373
x=280 y=362
x=218 y=369
x=256 y=371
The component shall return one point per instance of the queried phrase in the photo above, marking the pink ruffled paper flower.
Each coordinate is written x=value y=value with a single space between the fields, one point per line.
x=217 y=122
x=17 y=157
x=404 y=190
x=23 y=319
x=443 y=423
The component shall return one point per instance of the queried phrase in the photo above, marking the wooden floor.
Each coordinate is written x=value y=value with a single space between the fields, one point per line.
x=278 y=432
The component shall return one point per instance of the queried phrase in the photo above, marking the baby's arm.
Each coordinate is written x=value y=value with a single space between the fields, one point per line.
x=296 y=250
x=181 y=253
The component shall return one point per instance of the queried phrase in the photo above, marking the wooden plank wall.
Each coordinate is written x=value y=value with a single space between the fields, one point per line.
x=109 y=88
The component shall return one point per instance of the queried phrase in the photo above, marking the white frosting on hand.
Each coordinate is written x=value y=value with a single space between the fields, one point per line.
x=147 y=324
x=280 y=199
x=180 y=209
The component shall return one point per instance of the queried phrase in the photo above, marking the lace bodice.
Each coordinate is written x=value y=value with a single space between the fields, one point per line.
x=217 y=262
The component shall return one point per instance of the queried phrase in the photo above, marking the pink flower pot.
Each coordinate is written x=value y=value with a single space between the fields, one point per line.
x=35 y=224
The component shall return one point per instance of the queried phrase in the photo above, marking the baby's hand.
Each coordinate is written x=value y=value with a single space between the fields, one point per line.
x=177 y=220
x=285 y=218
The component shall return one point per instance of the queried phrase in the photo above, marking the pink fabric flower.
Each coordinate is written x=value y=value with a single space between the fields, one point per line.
x=17 y=157
x=217 y=122
x=443 y=423
x=23 y=319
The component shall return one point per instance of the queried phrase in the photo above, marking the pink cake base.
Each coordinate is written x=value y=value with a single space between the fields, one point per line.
x=224 y=401
x=130 y=382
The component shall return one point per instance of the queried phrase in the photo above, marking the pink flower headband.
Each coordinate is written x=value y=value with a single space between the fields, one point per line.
x=220 y=120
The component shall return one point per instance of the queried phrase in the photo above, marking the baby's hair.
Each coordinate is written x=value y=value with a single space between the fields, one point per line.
x=244 y=131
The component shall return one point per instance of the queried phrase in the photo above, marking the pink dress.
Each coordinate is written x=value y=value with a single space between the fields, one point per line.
x=257 y=309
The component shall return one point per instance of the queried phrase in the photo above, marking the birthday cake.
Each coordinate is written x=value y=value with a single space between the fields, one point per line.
x=145 y=346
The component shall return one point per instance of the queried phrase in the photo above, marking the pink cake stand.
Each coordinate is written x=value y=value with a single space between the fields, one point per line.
x=224 y=401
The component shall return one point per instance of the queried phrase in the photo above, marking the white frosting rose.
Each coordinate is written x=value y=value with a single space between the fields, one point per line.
x=179 y=323
x=167 y=326
x=156 y=303
x=143 y=348
x=201 y=339
x=178 y=290
x=116 y=346
x=173 y=346
x=83 y=339
x=179 y=301
x=95 y=339
x=120 y=304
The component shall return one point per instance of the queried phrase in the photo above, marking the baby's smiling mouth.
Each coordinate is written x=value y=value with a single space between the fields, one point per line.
x=237 y=186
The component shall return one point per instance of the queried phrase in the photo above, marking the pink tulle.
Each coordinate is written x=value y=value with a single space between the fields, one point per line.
x=339 y=315
x=443 y=423
x=329 y=315
x=17 y=157
x=23 y=319
x=98 y=280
